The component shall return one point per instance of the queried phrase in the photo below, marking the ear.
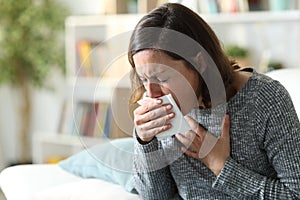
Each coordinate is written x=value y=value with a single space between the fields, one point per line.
x=199 y=59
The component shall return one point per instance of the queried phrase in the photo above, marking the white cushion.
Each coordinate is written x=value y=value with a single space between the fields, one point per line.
x=37 y=182
x=290 y=79
x=22 y=181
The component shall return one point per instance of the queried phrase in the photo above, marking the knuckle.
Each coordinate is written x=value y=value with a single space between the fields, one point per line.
x=152 y=115
x=165 y=109
x=147 y=107
x=137 y=121
x=135 y=112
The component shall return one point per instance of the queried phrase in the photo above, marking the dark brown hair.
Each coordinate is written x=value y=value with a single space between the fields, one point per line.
x=176 y=17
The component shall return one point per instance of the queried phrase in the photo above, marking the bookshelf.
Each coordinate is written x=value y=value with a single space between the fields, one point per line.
x=110 y=88
x=52 y=147
x=112 y=84
x=130 y=6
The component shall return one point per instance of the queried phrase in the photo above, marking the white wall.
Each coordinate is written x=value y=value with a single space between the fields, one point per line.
x=9 y=102
x=84 y=7
x=46 y=109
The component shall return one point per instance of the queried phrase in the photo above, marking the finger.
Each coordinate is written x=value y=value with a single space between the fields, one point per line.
x=189 y=153
x=158 y=122
x=158 y=112
x=184 y=140
x=190 y=134
x=145 y=133
x=193 y=142
x=154 y=114
x=200 y=130
x=207 y=145
x=154 y=118
x=147 y=105
x=193 y=124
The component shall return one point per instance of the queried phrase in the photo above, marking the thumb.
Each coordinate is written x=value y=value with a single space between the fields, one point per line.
x=192 y=123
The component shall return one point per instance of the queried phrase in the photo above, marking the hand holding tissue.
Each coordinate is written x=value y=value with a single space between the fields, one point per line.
x=179 y=124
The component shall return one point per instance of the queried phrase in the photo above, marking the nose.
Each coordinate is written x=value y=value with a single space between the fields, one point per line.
x=153 y=90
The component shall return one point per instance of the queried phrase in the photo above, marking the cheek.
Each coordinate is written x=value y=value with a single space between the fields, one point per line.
x=184 y=94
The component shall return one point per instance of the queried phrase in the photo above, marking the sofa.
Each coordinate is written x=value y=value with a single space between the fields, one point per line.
x=105 y=176
x=103 y=171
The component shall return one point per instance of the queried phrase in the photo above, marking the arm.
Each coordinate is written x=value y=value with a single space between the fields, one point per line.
x=152 y=176
x=282 y=145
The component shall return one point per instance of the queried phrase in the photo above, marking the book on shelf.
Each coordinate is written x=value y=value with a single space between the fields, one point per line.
x=89 y=119
x=102 y=125
x=107 y=128
x=84 y=58
x=223 y=6
x=66 y=118
x=78 y=117
x=255 y=5
x=91 y=58
x=228 y=6
x=88 y=122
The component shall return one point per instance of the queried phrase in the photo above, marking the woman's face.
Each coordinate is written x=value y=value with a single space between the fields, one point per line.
x=163 y=75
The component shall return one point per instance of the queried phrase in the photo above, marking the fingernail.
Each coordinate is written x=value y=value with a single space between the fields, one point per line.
x=169 y=106
x=227 y=117
x=158 y=101
x=171 y=114
x=167 y=126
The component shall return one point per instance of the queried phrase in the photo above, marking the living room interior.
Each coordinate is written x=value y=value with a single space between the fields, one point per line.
x=50 y=116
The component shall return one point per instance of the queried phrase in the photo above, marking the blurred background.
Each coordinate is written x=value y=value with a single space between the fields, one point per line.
x=46 y=44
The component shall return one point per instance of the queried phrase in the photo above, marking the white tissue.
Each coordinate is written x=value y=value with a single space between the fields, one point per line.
x=179 y=124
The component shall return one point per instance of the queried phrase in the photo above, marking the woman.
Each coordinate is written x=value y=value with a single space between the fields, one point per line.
x=244 y=141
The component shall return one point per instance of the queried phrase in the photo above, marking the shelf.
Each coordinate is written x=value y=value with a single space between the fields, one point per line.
x=95 y=89
x=68 y=140
x=127 y=20
x=240 y=17
x=55 y=145
x=254 y=16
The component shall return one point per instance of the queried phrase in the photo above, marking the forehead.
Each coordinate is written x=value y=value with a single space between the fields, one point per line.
x=151 y=61
x=150 y=56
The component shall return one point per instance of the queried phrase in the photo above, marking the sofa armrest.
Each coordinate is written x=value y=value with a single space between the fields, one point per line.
x=23 y=181
x=50 y=182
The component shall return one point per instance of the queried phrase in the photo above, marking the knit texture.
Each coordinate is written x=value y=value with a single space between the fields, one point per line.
x=265 y=152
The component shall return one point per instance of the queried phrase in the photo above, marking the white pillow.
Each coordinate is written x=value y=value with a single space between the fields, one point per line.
x=111 y=161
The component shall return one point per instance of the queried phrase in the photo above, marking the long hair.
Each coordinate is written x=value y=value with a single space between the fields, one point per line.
x=176 y=17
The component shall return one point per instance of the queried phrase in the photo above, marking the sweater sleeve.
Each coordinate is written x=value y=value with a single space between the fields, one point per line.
x=153 y=179
x=282 y=145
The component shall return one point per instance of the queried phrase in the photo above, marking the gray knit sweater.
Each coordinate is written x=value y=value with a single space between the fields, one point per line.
x=265 y=152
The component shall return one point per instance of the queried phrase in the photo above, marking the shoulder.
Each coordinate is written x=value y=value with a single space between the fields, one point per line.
x=268 y=86
x=270 y=93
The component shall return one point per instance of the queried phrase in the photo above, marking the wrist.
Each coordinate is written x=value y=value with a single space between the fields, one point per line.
x=143 y=142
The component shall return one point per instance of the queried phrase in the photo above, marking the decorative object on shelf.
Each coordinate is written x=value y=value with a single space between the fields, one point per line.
x=274 y=65
x=279 y=5
x=132 y=6
x=255 y=5
x=239 y=54
x=30 y=48
x=91 y=62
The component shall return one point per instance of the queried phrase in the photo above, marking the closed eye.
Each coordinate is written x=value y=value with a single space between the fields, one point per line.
x=162 y=81
x=143 y=80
